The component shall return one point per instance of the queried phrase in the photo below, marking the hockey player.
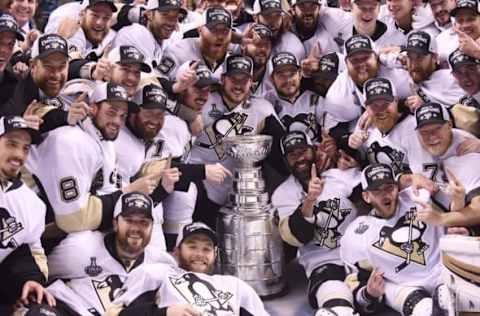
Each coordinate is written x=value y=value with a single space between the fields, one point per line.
x=190 y=289
x=430 y=83
x=230 y=112
x=440 y=10
x=83 y=192
x=314 y=212
x=211 y=46
x=94 y=34
x=90 y=267
x=344 y=99
x=151 y=39
x=298 y=108
x=382 y=140
x=22 y=221
x=393 y=258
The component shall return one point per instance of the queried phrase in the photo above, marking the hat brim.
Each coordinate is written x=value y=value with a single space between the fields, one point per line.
x=34 y=134
x=308 y=1
x=214 y=23
x=143 y=66
x=153 y=106
x=457 y=9
x=209 y=233
x=386 y=97
x=379 y=183
x=172 y=7
x=291 y=148
x=236 y=72
x=132 y=106
x=279 y=67
x=18 y=35
x=327 y=75
x=427 y=122
x=416 y=50
x=466 y=62
x=136 y=210
x=49 y=52
x=205 y=82
x=270 y=11
x=359 y=50
x=110 y=4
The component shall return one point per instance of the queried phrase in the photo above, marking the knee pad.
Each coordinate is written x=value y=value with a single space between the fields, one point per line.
x=334 y=293
x=325 y=312
x=330 y=277
x=418 y=303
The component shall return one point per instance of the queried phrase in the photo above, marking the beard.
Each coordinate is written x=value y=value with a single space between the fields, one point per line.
x=387 y=122
x=361 y=77
x=189 y=265
x=133 y=247
x=386 y=211
x=303 y=175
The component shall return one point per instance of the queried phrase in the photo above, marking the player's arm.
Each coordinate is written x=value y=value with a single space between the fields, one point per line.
x=271 y=126
x=367 y=286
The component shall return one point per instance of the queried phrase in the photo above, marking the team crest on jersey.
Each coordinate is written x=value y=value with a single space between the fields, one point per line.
x=108 y=289
x=386 y=154
x=214 y=112
x=9 y=227
x=229 y=125
x=328 y=217
x=404 y=240
x=202 y=294
x=304 y=122
x=93 y=269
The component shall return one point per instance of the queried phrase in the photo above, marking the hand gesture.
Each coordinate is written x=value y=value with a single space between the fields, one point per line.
x=216 y=173
x=33 y=120
x=103 y=69
x=249 y=36
x=469 y=145
x=68 y=27
x=458 y=231
x=456 y=191
x=20 y=69
x=78 y=110
x=428 y=214
x=145 y=184
x=170 y=176
x=310 y=64
x=376 y=284
x=183 y=310
x=34 y=292
x=31 y=37
x=467 y=44
x=196 y=126
x=186 y=78
x=315 y=185
x=360 y=135
x=421 y=182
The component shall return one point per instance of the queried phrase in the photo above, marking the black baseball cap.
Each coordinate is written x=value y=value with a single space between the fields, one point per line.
x=420 y=42
x=284 y=59
x=458 y=58
x=293 y=140
x=263 y=31
x=9 y=24
x=166 y=5
x=91 y=3
x=327 y=67
x=295 y=2
x=151 y=96
x=134 y=203
x=10 y=123
x=127 y=54
x=48 y=44
x=217 y=15
x=196 y=228
x=375 y=175
x=204 y=74
x=109 y=91
x=358 y=43
x=238 y=64
x=265 y=7
x=431 y=113
x=378 y=89
x=465 y=4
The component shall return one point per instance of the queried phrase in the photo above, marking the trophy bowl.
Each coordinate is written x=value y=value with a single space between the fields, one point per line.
x=248 y=150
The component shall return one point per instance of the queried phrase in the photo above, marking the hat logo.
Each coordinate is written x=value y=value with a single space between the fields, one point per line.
x=118 y=91
x=418 y=40
x=133 y=53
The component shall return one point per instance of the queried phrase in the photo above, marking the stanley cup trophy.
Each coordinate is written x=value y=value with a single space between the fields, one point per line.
x=249 y=241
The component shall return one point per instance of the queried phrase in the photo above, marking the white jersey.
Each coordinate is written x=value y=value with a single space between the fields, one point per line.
x=447 y=42
x=22 y=220
x=79 y=43
x=180 y=52
x=404 y=249
x=344 y=100
x=139 y=36
x=389 y=148
x=221 y=295
x=321 y=37
x=289 y=42
x=82 y=164
x=90 y=267
x=220 y=121
x=68 y=11
x=332 y=215
x=337 y=23
x=433 y=167
x=305 y=114
x=441 y=87
x=176 y=137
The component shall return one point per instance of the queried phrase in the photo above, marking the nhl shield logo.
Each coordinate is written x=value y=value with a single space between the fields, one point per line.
x=203 y=295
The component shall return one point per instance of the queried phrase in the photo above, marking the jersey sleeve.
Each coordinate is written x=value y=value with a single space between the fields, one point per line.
x=37 y=229
x=250 y=302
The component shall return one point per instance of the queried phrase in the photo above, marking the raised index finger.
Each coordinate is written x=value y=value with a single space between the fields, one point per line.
x=313 y=172
x=451 y=176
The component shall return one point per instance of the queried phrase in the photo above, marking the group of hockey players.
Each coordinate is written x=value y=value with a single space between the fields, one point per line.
x=113 y=169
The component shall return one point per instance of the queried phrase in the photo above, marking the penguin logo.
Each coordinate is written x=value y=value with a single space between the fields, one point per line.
x=9 y=227
x=108 y=289
x=386 y=154
x=404 y=240
x=304 y=122
x=93 y=269
x=202 y=294
x=229 y=125
x=328 y=217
